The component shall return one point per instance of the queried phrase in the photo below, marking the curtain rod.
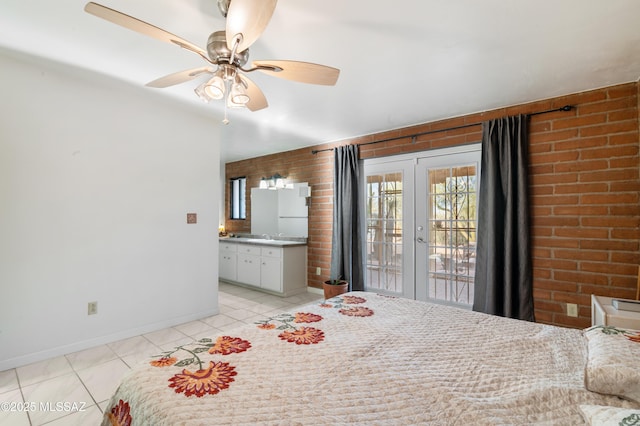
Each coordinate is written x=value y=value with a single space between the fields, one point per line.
x=564 y=108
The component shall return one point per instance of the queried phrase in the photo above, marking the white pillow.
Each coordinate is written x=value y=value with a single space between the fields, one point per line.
x=598 y=415
x=613 y=362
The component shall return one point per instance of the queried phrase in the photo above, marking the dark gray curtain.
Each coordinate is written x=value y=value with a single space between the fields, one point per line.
x=346 y=253
x=503 y=281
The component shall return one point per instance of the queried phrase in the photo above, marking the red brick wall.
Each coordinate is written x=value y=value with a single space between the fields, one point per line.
x=585 y=186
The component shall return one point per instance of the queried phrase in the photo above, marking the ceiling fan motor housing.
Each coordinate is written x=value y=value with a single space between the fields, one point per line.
x=219 y=52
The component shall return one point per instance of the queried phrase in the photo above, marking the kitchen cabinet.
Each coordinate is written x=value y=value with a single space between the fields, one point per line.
x=248 y=264
x=274 y=267
x=271 y=273
x=228 y=262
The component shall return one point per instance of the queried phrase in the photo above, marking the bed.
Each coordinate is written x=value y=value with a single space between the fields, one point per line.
x=367 y=358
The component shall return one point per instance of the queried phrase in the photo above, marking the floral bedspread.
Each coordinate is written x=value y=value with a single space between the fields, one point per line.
x=365 y=358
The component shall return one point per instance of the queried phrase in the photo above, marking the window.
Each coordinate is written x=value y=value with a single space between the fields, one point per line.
x=452 y=233
x=238 y=207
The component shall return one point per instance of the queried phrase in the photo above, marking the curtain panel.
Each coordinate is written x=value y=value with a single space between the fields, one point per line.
x=346 y=247
x=503 y=278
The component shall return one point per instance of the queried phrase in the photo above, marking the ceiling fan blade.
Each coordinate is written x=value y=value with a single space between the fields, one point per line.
x=304 y=72
x=142 y=27
x=248 y=18
x=257 y=100
x=179 y=77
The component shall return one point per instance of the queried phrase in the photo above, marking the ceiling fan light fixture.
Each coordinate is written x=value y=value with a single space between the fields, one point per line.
x=214 y=88
x=231 y=104
x=238 y=94
x=246 y=20
x=201 y=93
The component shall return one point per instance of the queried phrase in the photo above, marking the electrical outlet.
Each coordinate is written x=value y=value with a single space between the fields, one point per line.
x=92 y=308
x=572 y=309
x=318 y=271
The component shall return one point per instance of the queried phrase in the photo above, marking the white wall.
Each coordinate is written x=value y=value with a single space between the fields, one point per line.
x=96 y=178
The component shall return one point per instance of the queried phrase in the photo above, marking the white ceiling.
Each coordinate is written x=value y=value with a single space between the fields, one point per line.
x=402 y=62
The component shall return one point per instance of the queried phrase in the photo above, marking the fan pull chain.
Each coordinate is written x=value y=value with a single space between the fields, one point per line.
x=225 y=120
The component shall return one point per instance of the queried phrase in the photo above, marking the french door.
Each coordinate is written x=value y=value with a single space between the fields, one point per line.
x=389 y=215
x=420 y=220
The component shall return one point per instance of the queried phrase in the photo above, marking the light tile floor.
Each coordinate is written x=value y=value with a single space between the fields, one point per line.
x=92 y=375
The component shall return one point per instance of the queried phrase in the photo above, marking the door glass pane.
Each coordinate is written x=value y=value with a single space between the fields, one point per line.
x=384 y=232
x=452 y=233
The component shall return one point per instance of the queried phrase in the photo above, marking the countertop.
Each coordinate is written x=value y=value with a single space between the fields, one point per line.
x=263 y=241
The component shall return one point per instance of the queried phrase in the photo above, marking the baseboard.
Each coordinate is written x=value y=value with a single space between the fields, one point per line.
x=22 y=360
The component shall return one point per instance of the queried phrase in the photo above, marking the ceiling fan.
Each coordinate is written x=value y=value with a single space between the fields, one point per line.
x=226 y=54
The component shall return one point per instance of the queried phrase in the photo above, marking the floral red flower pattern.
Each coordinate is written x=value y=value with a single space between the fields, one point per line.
x=326 y=305
x=267 y=326
x=120 y=415
x=210 y=380
x=306 y=317
x=164 y=361
x=356 y=311
x=633 y=337
x=303 y=336
x=226 y=345
x=353 y=300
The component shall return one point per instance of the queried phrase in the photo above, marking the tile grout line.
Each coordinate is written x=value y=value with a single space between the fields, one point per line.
x=252 y=298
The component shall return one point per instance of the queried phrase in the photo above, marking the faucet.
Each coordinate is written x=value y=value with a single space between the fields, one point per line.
x=266 y=236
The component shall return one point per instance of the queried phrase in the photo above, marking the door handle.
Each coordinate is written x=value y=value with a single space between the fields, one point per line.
x=420 y=240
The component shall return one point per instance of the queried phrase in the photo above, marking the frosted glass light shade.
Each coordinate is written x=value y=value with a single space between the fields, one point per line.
x=215 y=88
x=239 y=94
